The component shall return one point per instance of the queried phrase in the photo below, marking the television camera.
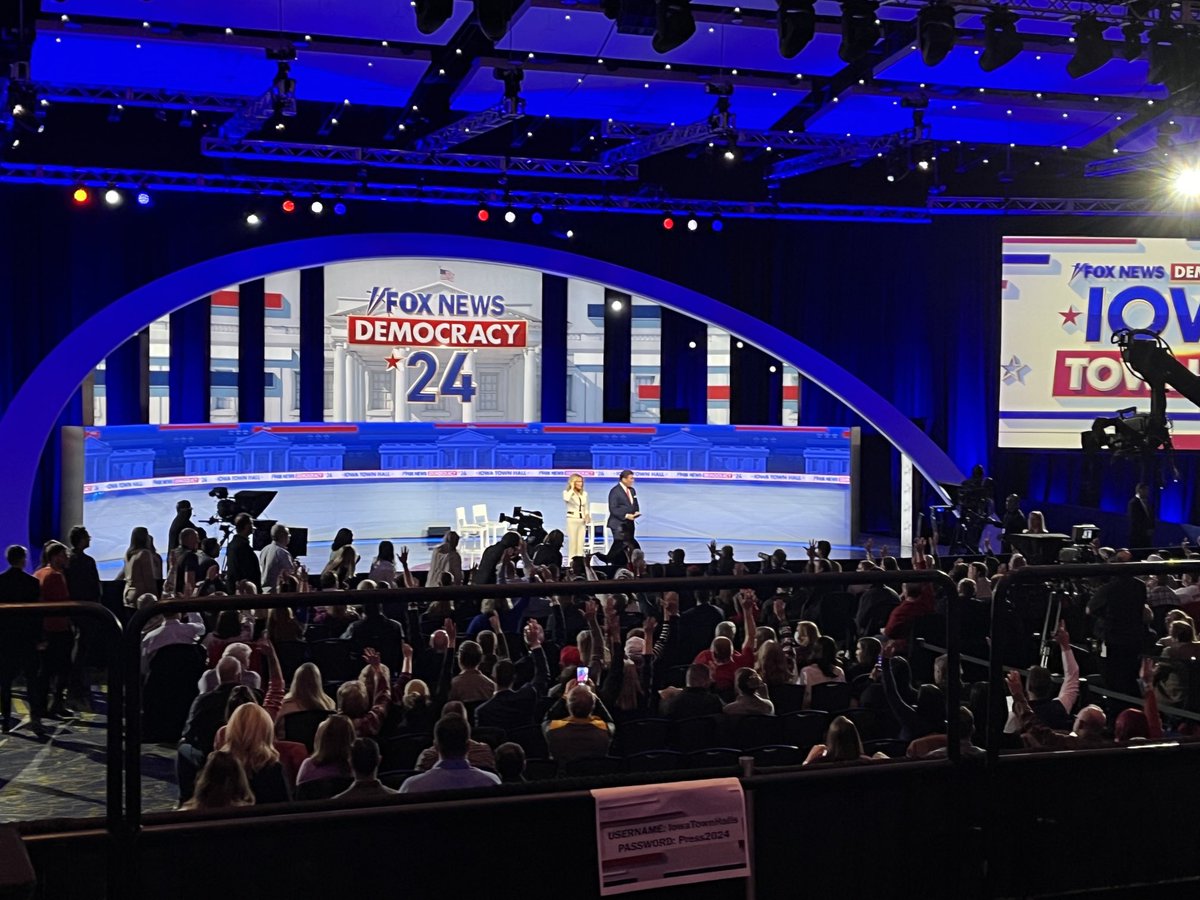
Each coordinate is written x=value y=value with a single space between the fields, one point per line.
x=253 y=504
x=528 y=524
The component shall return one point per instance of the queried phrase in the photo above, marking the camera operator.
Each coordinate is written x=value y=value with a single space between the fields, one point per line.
x=182 y=520
x=1121 y=614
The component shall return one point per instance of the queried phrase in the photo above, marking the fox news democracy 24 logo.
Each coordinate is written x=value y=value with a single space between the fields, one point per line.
x=425 y=319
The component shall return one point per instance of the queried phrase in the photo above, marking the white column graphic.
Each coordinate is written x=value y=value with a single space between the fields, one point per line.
x=468 y=409
x=351 y=387
x=529 y=374
x=366 y=389
x=400 y=397
x=907 y=510
x=339 y=383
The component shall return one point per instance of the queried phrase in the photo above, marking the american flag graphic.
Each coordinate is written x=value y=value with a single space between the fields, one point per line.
x=446 y=275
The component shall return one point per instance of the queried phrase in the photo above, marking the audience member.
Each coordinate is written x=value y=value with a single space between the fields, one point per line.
x=221 y=784
x=479 y=754
x=364 y=760
x=452 y=771
x=58 y=634
x=749 y=701
x=19 y=638
x=331 y=751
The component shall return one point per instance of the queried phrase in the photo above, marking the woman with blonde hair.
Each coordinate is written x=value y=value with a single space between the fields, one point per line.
x=306 y=694
x=250 y=739
x=418 y=709
x=579 y=515
x=141 y=567
x=1036 y=523
x=222 y=783
x=331 y=751
x=773 y=665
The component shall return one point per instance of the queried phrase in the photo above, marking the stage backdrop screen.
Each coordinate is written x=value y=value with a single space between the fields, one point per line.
x=755 y=487
x=1062 y=299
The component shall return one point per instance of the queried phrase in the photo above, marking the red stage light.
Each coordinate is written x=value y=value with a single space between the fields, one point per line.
x=81 y=195
x=482 y=215
x=289 y=205
x=668 y=223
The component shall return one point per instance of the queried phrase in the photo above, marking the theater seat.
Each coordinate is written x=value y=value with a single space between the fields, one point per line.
x=541 y=769
x=776 y=755
x=698 y=733
x=787 y=698
x=830 y=695
x=714 y=758
x=301 y=727
x=757 y=731
x=655 y=761
x=402 y=752
x=803 y=729
x=322 y=788
x=599 y=765
x=640 y=735
x=169 y=691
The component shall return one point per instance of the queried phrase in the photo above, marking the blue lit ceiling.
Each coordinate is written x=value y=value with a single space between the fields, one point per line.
x=582 y=69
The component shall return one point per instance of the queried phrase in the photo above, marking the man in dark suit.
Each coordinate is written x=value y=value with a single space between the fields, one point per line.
x=623 y=511
x=19 y=638
x=241 y=562
x=204 y=720
x=1141 y=518
x=182 y=520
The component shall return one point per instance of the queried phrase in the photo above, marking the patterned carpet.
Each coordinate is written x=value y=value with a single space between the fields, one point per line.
x=62 y=774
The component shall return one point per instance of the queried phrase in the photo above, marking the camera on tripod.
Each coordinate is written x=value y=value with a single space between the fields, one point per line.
x=1080 y=550
x=254 y=504
x=528 y=524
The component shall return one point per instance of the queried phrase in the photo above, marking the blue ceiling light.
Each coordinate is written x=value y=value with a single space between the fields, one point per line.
x=1001 y=43
x=674 y=24
x=143 y=198
x=797 y=25
x=1091 y=49
x=339 y=208
x=537 y=217
x=860 y=29
x=433 y=14
x=935 y=31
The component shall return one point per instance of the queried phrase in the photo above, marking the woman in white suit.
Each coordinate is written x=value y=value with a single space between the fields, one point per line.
x=579 y=515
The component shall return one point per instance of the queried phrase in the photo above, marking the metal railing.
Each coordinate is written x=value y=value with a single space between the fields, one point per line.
x=424 y=595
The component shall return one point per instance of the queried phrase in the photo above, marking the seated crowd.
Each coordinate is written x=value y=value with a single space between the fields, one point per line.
x=363 y=701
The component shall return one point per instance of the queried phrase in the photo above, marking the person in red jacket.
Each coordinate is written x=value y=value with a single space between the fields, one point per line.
x=918 y=601
x=57 y=633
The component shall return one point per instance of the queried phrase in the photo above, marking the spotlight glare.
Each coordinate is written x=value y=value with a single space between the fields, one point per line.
x=317 y=207
x=288 y=205
x=253 y=219
x=617 y=306
x=692 y=224
x=691 y=345
x=570 y=234
x=113 y=197
x=537 y=217
x=80 y=195
x=143 y=198
x=339 y=209
x=668 y=223
x=510 y=216
x=717 y=224
x=482 y=215
x=1186 y=182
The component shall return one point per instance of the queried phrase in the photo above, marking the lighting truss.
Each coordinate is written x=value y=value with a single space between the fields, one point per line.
x=326 y=154
x=210 y=183
x=1148 y=160
x=472 y=126
x=1049 y=206
x=128 y=96
x=843 y=151
x=1062 y=10
x=662 y=142
x=250 y=117
x=776 y=140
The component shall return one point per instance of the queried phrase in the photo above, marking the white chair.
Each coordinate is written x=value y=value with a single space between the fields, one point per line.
x=468 y=532
x=479 y=517
x=595 y=540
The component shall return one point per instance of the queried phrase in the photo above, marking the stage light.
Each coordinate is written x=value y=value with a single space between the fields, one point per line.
x=253 y=220
x=493 y=16
x=692 y=224
x=537 y=217
x=717 y=225
x=1001 y=43
x=860 y=29
x=923 y=165
x=1091 y=49
x=691 y=345
x=510 y=216
x=288 y=205
x=482 y=215
x=730 y=155
x=317 y=207
x=339 y=209
x=1186 y=183
x=935 y=32
x=81 y=195
x=143 y=198
x=616 y=306
x=740 y=345
x=1131 y=47
x=771 y=369
x=433 y=14
x=570 y=234
x=668 y=223
x=797 y=25
x=113 y=197
x=674 y=24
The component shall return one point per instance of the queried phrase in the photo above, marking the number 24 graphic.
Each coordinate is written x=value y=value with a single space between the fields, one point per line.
x=448 y=387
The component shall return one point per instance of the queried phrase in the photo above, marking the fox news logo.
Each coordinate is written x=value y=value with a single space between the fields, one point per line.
x=1091 y=272
x=386 y=301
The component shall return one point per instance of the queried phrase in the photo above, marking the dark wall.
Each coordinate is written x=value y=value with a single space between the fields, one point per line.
x=911 y=309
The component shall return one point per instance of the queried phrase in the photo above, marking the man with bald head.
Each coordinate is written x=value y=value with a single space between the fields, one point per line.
x=721 y=657
x=578 y=727
x=205 y=718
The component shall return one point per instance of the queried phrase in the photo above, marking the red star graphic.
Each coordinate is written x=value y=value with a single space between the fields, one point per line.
x=1071 y=315
x=393 y=361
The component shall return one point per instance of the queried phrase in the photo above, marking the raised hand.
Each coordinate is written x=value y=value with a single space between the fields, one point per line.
x=494 y=621
x=407 y=649
x=534 y=634
x=712 y=547
x=811 y=549
x=404 y=556
x=779 y=608
x=1015 y=687
x=1061 y=637
x=589 y=609
x=371 y=657
x=649 y=623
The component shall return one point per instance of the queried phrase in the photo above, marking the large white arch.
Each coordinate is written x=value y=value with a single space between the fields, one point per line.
x=30 y=419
